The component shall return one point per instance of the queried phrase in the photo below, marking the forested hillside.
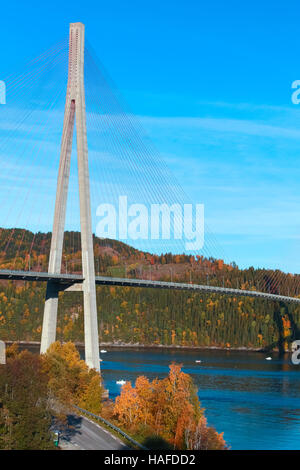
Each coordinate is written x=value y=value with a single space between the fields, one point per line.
x=147 y=316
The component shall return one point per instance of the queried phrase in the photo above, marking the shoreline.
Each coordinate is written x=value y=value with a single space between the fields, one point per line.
x=122 y=345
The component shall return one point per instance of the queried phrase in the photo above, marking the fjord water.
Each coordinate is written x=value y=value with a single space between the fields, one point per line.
x=255 y=402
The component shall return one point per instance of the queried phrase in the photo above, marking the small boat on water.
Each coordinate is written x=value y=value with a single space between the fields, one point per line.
x=198 y=360
x=121 y=382
x=268 y=358
x=103 y=351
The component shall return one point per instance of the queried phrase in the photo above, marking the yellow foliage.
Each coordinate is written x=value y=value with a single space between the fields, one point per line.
x=70 y=379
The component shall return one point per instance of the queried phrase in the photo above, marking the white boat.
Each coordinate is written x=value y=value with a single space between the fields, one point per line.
x=268 y=358
x=103 y=351
x=121 y=382
x=198 y=360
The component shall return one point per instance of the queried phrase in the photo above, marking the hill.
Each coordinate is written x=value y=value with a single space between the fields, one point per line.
x=144 y=316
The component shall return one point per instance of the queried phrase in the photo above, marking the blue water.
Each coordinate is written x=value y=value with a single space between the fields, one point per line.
x=256 y=403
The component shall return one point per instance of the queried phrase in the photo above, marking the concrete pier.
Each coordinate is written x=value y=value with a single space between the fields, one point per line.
x=2 y=353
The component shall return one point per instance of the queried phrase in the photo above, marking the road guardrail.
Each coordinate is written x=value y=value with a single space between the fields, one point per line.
x=112 y=426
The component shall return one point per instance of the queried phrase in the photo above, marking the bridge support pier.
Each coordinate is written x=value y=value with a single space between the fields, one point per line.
x=50 y=316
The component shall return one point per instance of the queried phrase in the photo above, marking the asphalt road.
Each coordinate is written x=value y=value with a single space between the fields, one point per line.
x=83 y=434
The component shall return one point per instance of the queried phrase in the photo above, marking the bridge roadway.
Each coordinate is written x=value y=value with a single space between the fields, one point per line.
x=67 y=280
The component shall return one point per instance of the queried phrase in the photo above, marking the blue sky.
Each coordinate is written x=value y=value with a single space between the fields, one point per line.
x=211 y=84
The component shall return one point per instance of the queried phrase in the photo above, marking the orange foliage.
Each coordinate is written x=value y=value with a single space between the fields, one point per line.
x=220 y=264
x=169 y=408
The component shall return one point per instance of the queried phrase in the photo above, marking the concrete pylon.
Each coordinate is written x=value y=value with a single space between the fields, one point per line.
x=2 y=353
x=74 y=109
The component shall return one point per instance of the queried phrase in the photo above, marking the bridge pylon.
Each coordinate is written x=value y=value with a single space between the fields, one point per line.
x=74 y=110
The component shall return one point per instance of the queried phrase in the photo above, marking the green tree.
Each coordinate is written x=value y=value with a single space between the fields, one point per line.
x=25 y=417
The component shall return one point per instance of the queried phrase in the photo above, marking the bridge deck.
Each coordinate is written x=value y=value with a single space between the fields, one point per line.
x=69 y=279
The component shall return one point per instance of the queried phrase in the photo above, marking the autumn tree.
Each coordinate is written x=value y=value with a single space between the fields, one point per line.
x=177 y=405
x=168 y=408
x=203 y=437
x=127 y=407
x=70 y=379
x=25 y=417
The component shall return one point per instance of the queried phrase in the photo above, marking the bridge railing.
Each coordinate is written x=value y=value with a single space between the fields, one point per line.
x=68 y=279
x=112 y=426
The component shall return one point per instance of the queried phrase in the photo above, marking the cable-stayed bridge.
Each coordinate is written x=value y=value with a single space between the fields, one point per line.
x=126 y=163
x=74 y=282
